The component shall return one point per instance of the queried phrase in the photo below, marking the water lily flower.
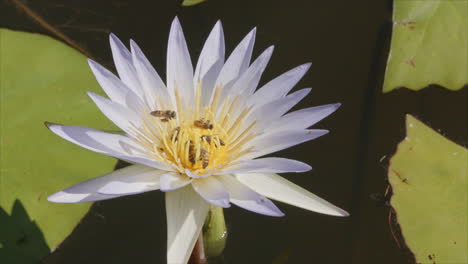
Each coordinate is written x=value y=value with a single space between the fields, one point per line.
x=200 y=136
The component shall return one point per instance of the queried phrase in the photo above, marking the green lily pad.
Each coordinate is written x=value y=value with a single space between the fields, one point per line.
x=192 y=2
x=42 y=79
x=429 y=45
x=429 y=178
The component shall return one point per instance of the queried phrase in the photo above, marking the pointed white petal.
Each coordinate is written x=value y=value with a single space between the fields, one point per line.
x=113 y=86
x=127 y=188
x=277 y=188
x=78 y=197
x=249 y=80
x=172 y=181
x=138 y=182
x=244 y=197
x=185 y=212
x=280 y=86
x=151 y=83
x=275 y=109
x=276 y=141
x=179 y=64
x=212 y=191
x=123 y=117
x=208 y=82
x=88 y=191
x=123 y=64
x=304 y=118
x=238 y=61
x=267 y=165
x=114 y=145
x=210 y=62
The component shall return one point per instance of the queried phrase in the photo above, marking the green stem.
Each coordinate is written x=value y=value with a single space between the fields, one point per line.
x=198 y=254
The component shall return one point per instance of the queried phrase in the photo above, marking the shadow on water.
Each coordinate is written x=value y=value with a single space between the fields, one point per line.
x=21 y=240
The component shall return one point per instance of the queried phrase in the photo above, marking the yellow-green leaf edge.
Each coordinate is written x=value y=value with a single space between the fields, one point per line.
x=192 y=2
x=429 y=45
x=429 y=179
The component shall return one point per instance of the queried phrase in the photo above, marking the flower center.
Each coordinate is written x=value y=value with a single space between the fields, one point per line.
x=199 y=140
x=194 y=144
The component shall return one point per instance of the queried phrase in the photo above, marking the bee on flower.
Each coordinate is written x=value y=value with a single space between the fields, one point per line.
x=200 y=136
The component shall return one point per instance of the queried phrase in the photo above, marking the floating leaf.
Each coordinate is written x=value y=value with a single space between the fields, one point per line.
x=42 y=79
x=429 y=177
x=429 y=45
x=192 y=2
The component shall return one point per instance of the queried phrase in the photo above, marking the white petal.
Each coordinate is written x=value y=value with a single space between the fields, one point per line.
x=150 y=81
x=195 y=176
x=304 y=118
x=280 y=86
x=249 y=80
x=208 y=82
x=277 y=188
x=123 y=117
x=210 y=62
x=185 y=212
x=139 y=182
x=212 y=191
x=280 y=140
x=275 y=109
x=172 y=181
x=113 y=86
x=267 y=165
x=238 y=61
x=244 y=197
x=212 y=51
x=127 y=188
x=179 y=64
x=109 y=144
x=124 y=65
x=88 y=191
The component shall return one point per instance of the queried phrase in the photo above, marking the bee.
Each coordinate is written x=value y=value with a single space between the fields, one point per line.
x=165 y=115
x=202 y=123
x=208 y=139
x=191 y=152
x=204 y=157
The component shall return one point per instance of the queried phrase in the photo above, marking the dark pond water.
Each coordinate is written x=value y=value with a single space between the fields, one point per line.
x=348 y=43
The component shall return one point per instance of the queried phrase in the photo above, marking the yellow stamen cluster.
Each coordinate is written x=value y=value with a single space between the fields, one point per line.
x=199 y=140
